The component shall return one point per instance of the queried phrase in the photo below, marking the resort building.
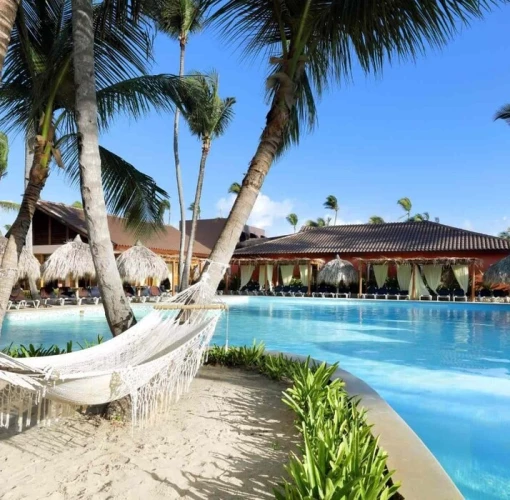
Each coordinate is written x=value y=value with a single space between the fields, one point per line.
x=56 y=223
x=377 y=251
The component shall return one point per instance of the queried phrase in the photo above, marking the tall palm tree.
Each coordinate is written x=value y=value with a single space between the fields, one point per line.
x=4 y=154
x=38 y=90
x=313 y=45
x=331 y=203
x=235 y=188
x=8 y=10
x=375 y=219
x=208 y=117
x=407 y=206
x=191 y=208
x=320 y=222
x=293 y=220
x=179 y=19
x=505 y=234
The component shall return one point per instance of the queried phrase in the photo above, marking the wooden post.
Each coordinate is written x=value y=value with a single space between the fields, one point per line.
x=309 y=278
x=412 y=282
x=473 y=281
x=174 y=276
x=360 y=273
x=225 y=278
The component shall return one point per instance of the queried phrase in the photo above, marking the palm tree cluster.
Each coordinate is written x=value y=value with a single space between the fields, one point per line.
x=69 y=67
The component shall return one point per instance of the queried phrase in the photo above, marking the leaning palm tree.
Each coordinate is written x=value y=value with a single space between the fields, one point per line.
x=234 y=188
x=179 y=19
x=43 y=96
x=313 y=45
x=407 y=206
x=191 y=208
x=208 y=116
x=331 y=203
x=293 y=220
x=8 y=10
x=375 y=219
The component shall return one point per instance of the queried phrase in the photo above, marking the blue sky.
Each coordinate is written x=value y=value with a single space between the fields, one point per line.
x=424 y=130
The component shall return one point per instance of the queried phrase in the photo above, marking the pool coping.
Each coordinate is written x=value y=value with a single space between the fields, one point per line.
x=421 y=475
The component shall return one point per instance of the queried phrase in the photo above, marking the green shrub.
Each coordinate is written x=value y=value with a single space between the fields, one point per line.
x=32 y=351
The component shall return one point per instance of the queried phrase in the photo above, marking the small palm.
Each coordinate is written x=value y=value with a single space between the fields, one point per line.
x=234 y=188
x=293 y=220
x=375 y=219
x=331 y=203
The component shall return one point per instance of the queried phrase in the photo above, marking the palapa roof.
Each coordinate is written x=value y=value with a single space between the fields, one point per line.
x=71 y=259
x=391 y=237
x=166 y=241
x=338 y=270
x=28 y=265
x=139 y=263
x=498 y=273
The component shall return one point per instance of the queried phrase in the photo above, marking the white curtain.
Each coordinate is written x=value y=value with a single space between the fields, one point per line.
x=419 y=285
x=432 y=274
x=262 y=277
x=269 y=274
x=246 y=272
x=462 y=276
x=404 y=276
x=287 y=273
x=303 y=271
x=170 y=274
x=381 y=273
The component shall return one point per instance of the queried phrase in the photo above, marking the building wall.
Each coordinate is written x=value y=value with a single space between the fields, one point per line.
x=49 y=231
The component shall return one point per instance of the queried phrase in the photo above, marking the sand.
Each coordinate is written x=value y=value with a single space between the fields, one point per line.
x=228 y=438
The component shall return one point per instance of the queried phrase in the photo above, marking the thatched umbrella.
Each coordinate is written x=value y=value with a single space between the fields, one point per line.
x=338 y=270
x=498 y=273
x=28 y=265
x=138 y=263
x=71 y=259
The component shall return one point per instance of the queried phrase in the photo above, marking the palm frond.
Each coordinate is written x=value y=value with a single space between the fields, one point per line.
x=9 y=206
x=503 y=114
x=129 y=193
x=4 y=154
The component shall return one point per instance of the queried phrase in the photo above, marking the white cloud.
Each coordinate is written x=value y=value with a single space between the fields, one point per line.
x=265 y=214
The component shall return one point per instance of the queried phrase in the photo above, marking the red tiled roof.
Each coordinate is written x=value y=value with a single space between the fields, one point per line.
x=167 y=241
x=379 y=238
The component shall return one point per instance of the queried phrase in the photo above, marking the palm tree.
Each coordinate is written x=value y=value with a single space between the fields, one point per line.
x=43 y=96
x=407 y=206
x=235 y=188
x=312 y=45
x=77 y=204
x=9 y=206
x=166 y=207
x=191 y=208
x=179 y=19
x=208 y=116
x=4 y=153
x=293 y=220
x=331 y=203
x=320 y=222
x=505 y=234
x=8 y=10
x=375 y=219
x=7 y=226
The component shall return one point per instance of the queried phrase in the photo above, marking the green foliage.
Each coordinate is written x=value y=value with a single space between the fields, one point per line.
x=340 y=458
x=87 y=343
x=331 y=203
x=320 y=222
x=4 y=154
x=375 y=219
x=234 y=188
x=32 y=351
x=505 y=234
x=77 y=204
x=293 y=220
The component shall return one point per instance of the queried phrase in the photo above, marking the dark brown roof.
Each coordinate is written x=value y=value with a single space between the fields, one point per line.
x=208 y=230
x=167 y=241
x=379 y=238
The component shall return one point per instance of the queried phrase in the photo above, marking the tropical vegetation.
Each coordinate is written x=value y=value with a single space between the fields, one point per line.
x=505 y=234
x=375 y=219
x=293 y=220
x=320 y=222
x=407 y=206
x=234 y=188
x=4 y=154
x=331 y=203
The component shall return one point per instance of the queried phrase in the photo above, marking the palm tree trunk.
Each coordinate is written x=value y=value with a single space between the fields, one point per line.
x=336 y=214
x=19 y=230
x=118 y=312
x=196 y=207
x=178 y=176
x=8 y=10
x=272 y=137
x=29 y=160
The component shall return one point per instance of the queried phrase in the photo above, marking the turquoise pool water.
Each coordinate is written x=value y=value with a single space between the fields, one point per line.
x=445 y=368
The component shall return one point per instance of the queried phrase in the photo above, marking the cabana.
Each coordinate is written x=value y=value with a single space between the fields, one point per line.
x=336 y=271
x=28 y=265
x=498 y=273
x=409 y=272
x=267 y=268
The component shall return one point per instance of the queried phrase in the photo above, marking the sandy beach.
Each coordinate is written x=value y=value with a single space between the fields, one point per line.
x=229 y=437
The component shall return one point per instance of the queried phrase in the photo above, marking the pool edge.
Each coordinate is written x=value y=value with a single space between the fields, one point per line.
x=416 y=468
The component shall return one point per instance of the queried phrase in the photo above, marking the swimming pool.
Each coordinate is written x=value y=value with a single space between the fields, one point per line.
x=445 y=368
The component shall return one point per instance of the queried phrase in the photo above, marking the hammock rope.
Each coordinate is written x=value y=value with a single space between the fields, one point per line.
x=154 y=362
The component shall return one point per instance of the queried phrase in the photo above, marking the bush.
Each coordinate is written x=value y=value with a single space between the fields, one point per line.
x=32 y=351
x=339 y=456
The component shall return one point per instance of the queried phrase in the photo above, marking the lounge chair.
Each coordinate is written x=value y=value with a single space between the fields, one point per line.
x=443 y=294
x=500 y=296
x=302 y=292
x=393 y=294
x=371 y=292
x=459 y=295
x=293 y=291
x=154 y=294
x=484 y=295
x=382 y=293
x=92 y=296
x=17 y=299
x=427 y=296
x=320 y=291
x=343 y=292
x=404 y=295
x=284 y=291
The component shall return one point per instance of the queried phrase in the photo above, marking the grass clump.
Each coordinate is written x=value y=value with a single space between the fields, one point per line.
x=339 y=457
x=32 y=351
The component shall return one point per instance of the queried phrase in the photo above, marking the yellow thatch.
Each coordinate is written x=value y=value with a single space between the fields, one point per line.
x=28 y=265
x=498 y=273
x=139 y=263
x=338 y=270
x=71 y=259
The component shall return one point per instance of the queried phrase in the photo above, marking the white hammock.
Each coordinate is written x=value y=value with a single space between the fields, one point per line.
x=154 y=362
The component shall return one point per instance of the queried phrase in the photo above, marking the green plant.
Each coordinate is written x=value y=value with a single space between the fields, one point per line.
x=86 y=343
